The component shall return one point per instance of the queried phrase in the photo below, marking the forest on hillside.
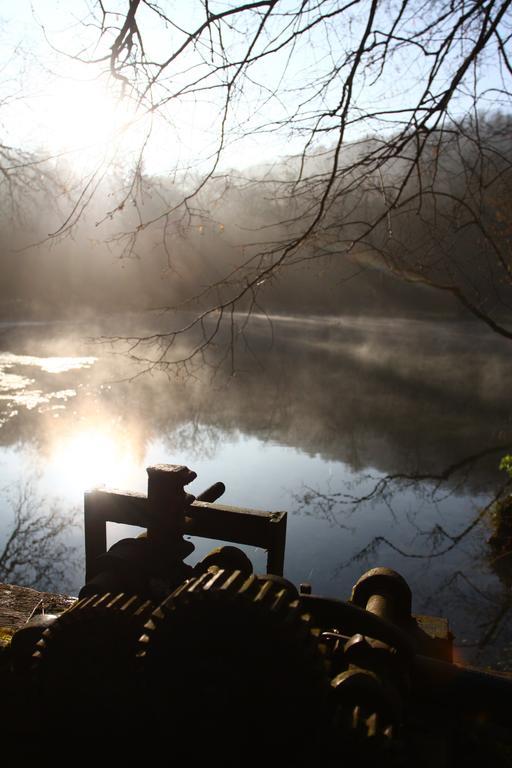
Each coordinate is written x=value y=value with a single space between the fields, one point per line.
x=451 y=227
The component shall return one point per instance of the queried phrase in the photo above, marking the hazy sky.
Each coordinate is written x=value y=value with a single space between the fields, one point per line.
x=59 y=104
x=52 y=102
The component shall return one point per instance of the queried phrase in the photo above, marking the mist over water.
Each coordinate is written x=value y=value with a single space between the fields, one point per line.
x=315 y=416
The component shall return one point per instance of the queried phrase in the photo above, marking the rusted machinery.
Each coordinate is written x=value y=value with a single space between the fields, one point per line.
x=159 y=659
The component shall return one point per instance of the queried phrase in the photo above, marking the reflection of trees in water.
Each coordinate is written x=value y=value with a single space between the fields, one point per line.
x=438 y=539
x=485 y=602
x=34 y=551
x=398 y=396
x=384 y=396
x=435 y=488
x=199 y=440
x=381 y=489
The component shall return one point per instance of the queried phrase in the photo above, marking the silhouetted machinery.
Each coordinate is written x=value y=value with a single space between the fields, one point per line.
x=160 y=660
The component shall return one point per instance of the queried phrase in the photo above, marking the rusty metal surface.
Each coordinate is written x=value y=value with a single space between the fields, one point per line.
x=384 y=693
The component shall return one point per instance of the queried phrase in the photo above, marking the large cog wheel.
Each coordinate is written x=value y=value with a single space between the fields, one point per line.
x=235 y=658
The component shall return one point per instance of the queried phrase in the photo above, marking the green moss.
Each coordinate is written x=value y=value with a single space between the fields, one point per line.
x=6 y=634
x=506 y=464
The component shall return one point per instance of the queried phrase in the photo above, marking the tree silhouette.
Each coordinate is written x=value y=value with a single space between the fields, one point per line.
x=396 y=114
x=34 y=551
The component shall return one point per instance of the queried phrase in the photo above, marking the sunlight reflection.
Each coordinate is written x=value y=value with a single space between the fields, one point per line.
x=47 y=364
x=13 y=381
x=31 y=398
x=93 y=457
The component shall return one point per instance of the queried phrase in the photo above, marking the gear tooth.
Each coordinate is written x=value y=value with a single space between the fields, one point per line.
x=215 y=581
x=130 y=604
x=294 y=611
x=264 y=591
x=372 y=725
x=177 y=591
x=281 y=602
x=159 y=612
x=249 y=585
x=79 y=604
x=117 y=601
x=196 y=584
x=232 y=580
x=143 y=609
x=104 y=600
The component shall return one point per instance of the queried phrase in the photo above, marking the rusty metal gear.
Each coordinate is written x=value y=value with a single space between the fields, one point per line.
x=226 y=651
x=87 y=656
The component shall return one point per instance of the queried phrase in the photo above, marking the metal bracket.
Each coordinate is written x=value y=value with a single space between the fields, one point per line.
x=266 y=530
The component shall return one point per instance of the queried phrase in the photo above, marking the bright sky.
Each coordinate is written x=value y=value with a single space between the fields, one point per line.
x=56 y=104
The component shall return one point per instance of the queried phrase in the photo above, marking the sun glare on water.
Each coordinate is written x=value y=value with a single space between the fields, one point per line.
x=93 y=458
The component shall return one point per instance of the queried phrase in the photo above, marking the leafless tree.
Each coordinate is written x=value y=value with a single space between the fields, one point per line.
x=25 y=173
x=397 y=116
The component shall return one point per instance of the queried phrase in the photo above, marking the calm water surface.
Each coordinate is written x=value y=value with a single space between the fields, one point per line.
x=382 y=439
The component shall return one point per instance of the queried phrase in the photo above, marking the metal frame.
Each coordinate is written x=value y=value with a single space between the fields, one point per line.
x=266 y=530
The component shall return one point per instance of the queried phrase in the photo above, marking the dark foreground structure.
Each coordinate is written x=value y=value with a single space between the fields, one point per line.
x=163 y=661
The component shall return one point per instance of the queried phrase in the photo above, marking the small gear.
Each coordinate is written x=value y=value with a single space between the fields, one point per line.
x=87 y=657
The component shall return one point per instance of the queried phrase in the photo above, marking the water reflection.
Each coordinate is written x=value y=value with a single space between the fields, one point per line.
x=382 y=438
x=16 y=389
x=47 y=364
x=91 y=457
x=399 y=397
x=34 y=543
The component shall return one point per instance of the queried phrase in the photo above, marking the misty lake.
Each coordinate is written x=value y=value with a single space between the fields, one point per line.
x=381 y=438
